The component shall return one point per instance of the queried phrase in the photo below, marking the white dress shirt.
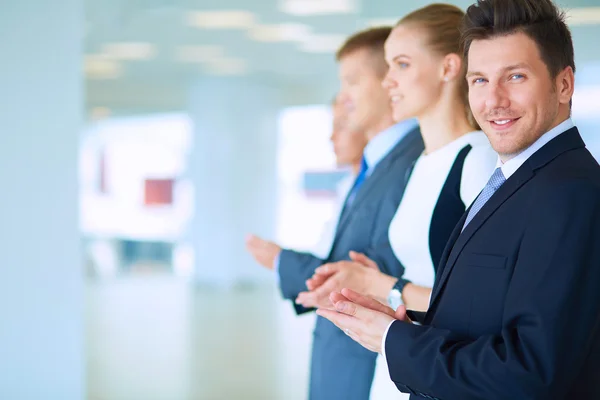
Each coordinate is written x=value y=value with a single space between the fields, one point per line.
x=512 y=165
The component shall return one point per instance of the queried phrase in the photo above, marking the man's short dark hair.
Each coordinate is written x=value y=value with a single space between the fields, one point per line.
x=540 y=20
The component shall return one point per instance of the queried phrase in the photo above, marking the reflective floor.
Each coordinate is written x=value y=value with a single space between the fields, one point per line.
x=161 y=338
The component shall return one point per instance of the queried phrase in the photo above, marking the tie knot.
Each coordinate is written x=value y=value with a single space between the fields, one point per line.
x=497 y=179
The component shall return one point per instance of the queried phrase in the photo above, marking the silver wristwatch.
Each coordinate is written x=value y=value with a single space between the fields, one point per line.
x=394 y=297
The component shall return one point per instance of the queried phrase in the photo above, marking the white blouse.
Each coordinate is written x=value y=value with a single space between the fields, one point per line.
x=409 y=231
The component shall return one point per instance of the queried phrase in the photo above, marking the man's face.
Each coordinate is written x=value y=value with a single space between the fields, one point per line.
x=361 y=92
x=348 y=144
x=512 y=96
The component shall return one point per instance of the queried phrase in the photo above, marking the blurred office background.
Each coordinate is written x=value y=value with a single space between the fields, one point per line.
x=141 y=141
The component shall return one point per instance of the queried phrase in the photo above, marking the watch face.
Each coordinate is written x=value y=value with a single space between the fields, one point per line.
x=394 y=299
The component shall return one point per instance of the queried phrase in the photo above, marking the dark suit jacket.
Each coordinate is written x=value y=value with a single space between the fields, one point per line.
x=341 y=368
x=515 y=311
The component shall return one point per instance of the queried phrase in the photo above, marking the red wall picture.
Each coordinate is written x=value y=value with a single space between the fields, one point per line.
x=158 y=192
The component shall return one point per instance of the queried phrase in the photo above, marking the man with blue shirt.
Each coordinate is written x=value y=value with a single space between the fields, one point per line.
x=340 y=368
x=348 y=147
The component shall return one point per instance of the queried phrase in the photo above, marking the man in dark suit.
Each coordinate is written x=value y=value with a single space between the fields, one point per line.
x=515 y=311
x=340 y=368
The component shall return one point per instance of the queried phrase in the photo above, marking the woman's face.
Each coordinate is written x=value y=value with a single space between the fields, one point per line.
x=415 y=79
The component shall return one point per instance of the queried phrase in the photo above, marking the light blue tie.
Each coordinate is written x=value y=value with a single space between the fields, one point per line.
x=490 y=188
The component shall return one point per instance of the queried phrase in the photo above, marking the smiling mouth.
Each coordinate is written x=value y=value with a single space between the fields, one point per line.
x=395 y=99
x=501 y=124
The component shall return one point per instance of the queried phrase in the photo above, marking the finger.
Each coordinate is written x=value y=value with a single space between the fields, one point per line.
x=260 y=243
x=336 y=297
x=316 y=281
x=367 y=302
x=308 y=300
x=323 y=292
x=328 y=269
x=254 y=243
x=342 y=321
x=324 y=274
x=302 y=298
x=252 y=239
x=248 y=243
x=313 y=300
x=352 y=309
x=363 y=259
x=401 y=314
x=318 y=297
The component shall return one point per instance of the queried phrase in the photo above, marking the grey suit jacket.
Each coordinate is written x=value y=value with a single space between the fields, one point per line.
x=341 y=368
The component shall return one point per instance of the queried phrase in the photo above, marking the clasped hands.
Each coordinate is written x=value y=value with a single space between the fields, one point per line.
x=361 y=274
x=361 y=317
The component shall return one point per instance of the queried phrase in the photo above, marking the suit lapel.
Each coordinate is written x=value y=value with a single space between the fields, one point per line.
x=504 y=193
x=379 y=172
x=567 y=141
x=363 y=193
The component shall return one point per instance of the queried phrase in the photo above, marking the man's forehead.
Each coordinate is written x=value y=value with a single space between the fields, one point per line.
x=501 y=53
x=504 y=45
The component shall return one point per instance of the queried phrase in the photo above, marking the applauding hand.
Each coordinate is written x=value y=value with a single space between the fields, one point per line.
x=362 y=318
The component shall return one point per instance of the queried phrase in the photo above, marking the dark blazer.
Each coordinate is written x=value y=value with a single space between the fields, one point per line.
x=340 y=368
x=515 y=311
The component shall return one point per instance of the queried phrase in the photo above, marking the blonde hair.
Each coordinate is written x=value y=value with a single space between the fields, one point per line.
x=443 y=22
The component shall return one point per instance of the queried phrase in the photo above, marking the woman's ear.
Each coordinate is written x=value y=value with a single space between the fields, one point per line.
x=452 y=67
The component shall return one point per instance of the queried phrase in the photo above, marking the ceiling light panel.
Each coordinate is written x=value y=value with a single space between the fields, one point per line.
x=230 y=19
x=323 y=43
x=287 y=32
x=130 y=50
x=102 y=67
x=98 y=113
x=583 y=16
x=318 y=7
x=227 y=66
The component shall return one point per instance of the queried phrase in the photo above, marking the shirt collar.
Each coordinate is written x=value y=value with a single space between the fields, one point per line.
x=379 y=146
x=512 y=165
